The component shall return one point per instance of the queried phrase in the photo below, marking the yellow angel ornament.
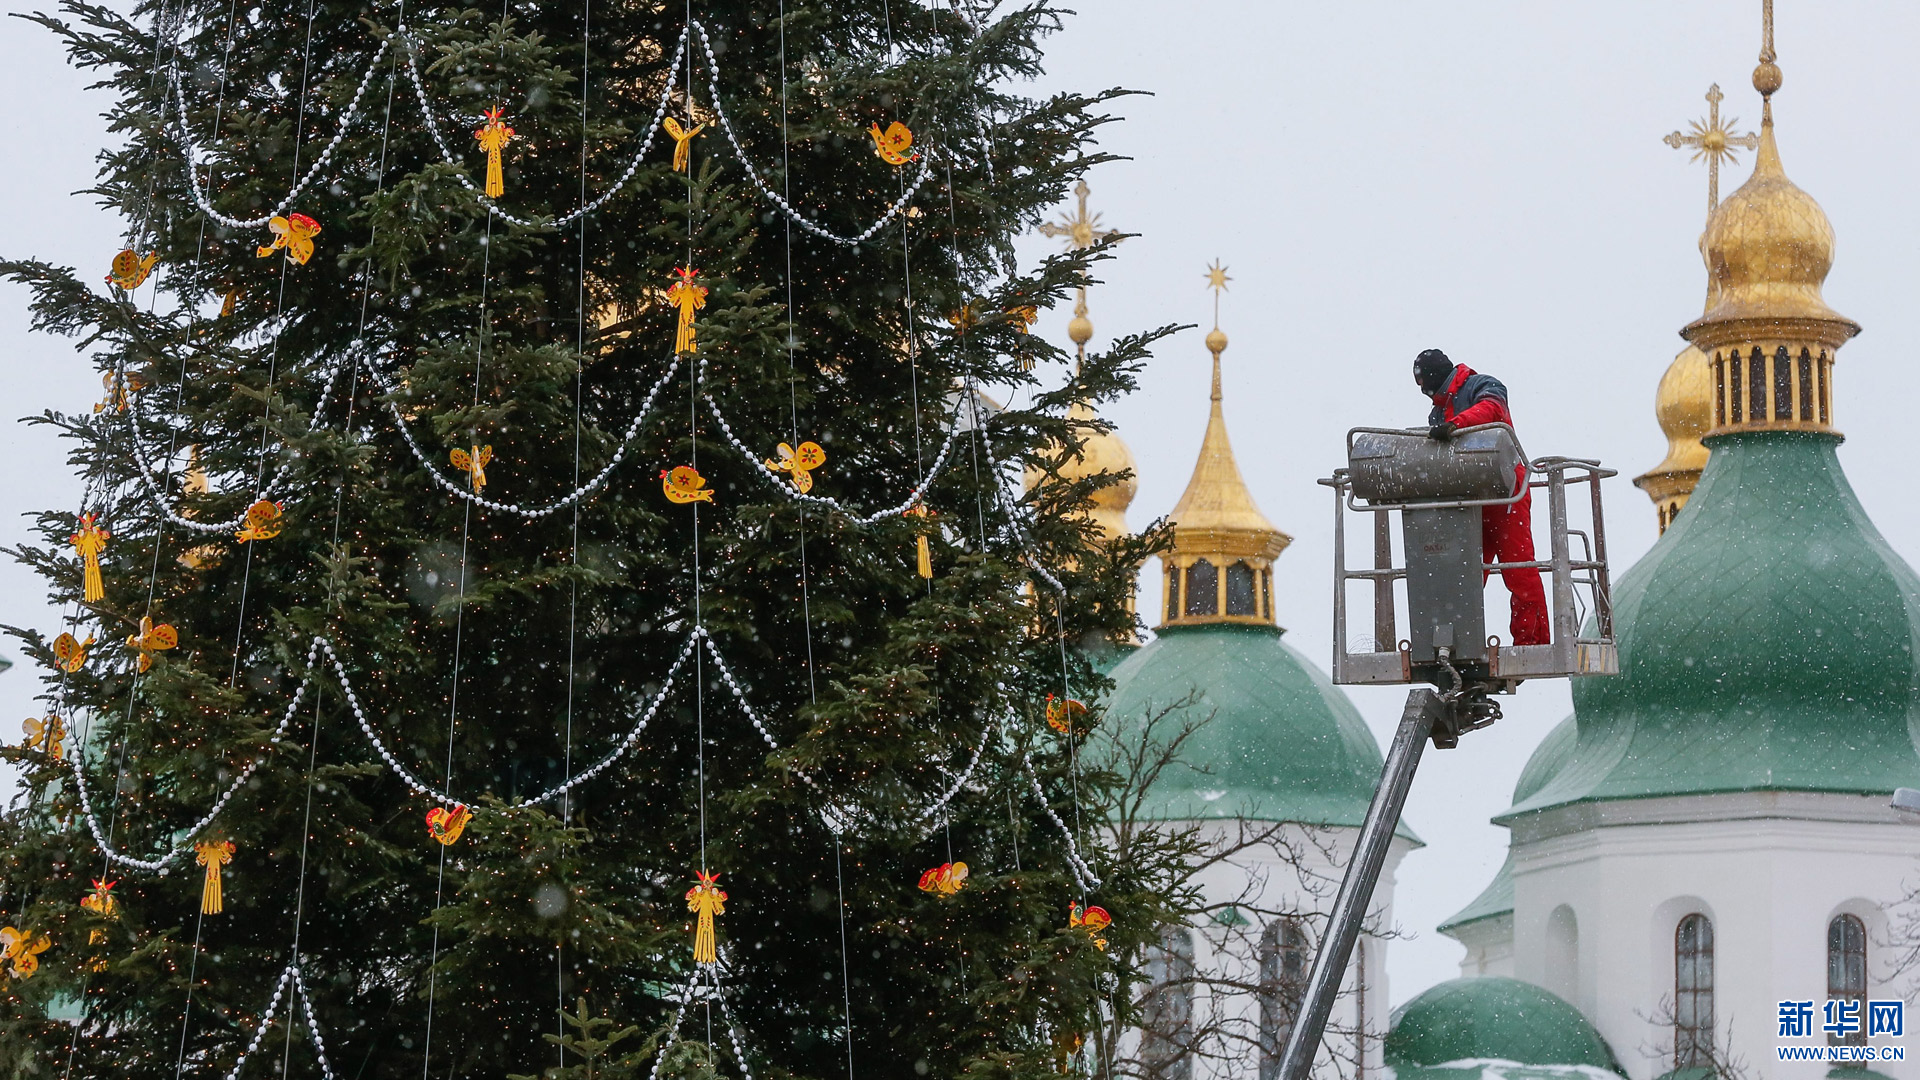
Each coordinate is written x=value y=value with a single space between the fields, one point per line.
x=293 y=234
x=88 y=543
x=894 y=145
x=706 y=900
x=262 y=522
x=212 y=854
x=682 y=137
x=46 y=736
x=152 y=639
x=130 y=270
x=69 y=652
x=799 y=464
x=494 y=135
x=689 y=297
x=474 y=464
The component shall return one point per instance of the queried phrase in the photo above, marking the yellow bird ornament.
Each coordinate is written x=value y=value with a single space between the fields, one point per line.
x=682 y=137
x=799 y=464
x=473 y=463
x=446 y=825
x=152 y=639
x=47 y=736
x=1094 y=920
x=129 y=270
x=894 y=145
x=20 y=950
x=945 y=879
x=293 y=234
x=69 y=652
x=494 y=135
x=262 y=522
x=684 y=484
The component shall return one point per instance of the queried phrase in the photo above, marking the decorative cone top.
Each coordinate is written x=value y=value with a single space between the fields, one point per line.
x=1769 y=335
x=1220 y=568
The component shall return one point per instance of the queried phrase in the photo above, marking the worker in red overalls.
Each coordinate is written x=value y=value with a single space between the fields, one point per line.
x=1464 y=398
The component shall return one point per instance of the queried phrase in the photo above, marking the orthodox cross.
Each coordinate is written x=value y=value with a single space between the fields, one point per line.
x=1081 y=230
x=1714 y=140
x=1217 y=281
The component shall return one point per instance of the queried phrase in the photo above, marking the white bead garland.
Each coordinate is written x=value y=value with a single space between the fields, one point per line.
x=289 y=977
x=1081 y=871
x=192 y=152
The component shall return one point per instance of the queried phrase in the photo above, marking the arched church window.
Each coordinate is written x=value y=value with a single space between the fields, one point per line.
x=1203 y=588
x=1166 y=1020
x=1847 y=970
x=1283 y=986
x=1757 y=385
x=1782 y=385
x=1734 y=415
x=1805 y=371
x=1240 y=590
x=1173 y=593
x=1693 y=993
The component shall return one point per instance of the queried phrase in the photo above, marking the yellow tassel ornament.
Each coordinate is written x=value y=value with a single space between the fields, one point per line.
x=706 y=900
x=921 y=511
x=88 y=543
x=494 y=135
x=682 y=152
x=689 y=297
x=213 y=855
x=474 y=464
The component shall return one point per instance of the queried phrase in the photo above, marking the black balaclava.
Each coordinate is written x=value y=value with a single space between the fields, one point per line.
x=1432 y=369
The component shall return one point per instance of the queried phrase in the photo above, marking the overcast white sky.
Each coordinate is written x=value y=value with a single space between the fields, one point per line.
x=1379 y=178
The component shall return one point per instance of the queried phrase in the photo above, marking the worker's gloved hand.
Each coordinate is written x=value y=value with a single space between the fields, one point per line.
x=1442 y=431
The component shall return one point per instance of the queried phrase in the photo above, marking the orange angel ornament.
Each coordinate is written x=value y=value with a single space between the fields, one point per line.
x=494 y=135
x=894 y=145
x=46 y=735
x=293 y=234
x=945 y=879
x=262 y=522
x=706 y=900
x=212 y=854
x=20 y=950
x=130 y=270
x=1093 y=921
x=684 y=484
x=799 y=464
x=88 y=543
x=446 y=825
x=682 y=152
x=921 y=511
x=70 y=653
x=689 y=297
x=100 y=901
x=152 y=639
x=473 y=463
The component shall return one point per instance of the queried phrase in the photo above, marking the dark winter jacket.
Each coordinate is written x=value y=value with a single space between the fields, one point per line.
x=1470 y=398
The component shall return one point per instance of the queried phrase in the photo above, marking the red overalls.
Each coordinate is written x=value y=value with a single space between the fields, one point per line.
x=1506 y=532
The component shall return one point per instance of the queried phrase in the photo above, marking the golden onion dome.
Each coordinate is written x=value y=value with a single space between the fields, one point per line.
x=1769 y=247
x=1104 y=452
x=1684 y=407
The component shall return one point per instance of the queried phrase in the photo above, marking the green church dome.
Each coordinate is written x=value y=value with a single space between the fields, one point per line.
x=1282 y=743
x=1767 y=643
x=1491 y=1019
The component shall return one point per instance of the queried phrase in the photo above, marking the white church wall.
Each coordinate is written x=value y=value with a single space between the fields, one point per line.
x=1489 y=944
x=1769 y=870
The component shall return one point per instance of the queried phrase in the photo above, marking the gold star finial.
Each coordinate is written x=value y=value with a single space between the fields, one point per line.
x=1217 y=281
x=1713 y=139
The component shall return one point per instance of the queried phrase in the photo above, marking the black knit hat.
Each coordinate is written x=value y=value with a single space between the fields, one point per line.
x=1431 y=368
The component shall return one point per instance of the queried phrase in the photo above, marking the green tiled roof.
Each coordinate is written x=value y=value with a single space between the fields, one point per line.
x=1767 y=643
x=1548 y=758
x=1282 y=743
x=1471 y=1020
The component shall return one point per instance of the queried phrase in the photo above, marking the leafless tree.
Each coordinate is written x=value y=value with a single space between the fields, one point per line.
x=1169 y=1011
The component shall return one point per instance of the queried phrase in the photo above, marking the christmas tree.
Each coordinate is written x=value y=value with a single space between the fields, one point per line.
x=561 y=579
